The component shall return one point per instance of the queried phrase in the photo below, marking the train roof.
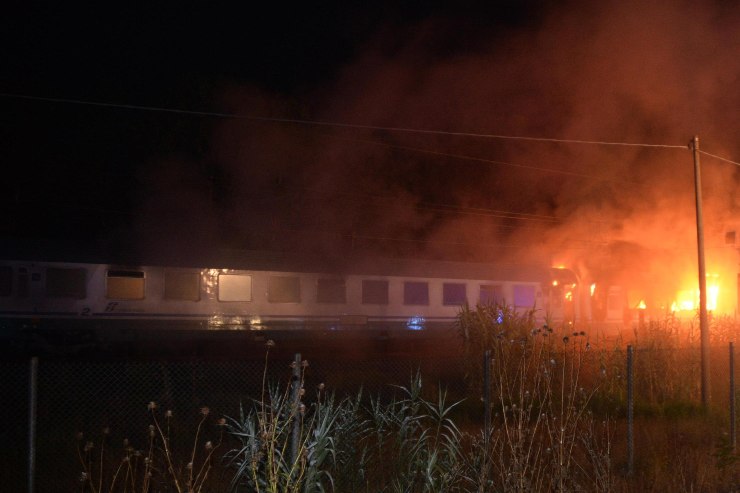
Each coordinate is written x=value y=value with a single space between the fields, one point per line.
x=282 y=261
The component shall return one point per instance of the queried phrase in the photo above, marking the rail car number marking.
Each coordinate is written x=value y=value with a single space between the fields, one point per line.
x=111 y=306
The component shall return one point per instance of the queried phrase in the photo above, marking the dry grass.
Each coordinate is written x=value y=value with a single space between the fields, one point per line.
x=558 y=405
x=679 y=446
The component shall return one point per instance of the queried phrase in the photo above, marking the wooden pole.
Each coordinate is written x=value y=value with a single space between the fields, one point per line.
x=733 y=433
x=703 y=318
x=630 y=413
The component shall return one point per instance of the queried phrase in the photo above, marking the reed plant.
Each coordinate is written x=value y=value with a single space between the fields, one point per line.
x=414 y=445
x=544 y=437
x=317 y=443
x=270 y=459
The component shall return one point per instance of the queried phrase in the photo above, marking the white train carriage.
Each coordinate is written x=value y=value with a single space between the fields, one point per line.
x=389 y=294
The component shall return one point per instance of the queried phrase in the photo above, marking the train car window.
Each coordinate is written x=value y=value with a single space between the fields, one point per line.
x=491 y=294
x=66 y=283
x=454 y=293
x=331 y=291
x=524 y=295
x=283 y=289
x=374 y=292
x=124 y=284
x=23 y=283
x=180 y=285
x=415 y=293
x=234 y=287
x=6 y=280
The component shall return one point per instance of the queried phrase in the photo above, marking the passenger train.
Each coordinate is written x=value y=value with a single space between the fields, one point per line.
x=282 y=295
x=366 y=294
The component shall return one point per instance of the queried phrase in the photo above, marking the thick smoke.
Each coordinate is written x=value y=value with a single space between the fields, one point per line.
x=613 y=71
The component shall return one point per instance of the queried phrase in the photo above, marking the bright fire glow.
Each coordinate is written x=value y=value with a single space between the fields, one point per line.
x=685 y=301
x=688 y=299
x=593 y=288
x=712 y=296
x=641 y=305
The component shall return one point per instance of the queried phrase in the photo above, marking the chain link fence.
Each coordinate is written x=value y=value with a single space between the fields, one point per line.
x=14 y=415
x=106 y=401
x=97 y=401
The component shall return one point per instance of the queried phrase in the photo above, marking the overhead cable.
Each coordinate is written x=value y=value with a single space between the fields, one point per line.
x=720 y=158
x=334 y=124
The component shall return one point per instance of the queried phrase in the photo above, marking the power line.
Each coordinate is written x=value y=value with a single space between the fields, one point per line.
x=334 y=124
x=464 y=157
x=427 y=241
x=720 y=158
x=473 y=158
x=475 y=211
x=440 y=207
x=370 y=127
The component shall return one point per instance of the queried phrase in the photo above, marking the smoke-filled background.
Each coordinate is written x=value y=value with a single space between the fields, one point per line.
x=377 y=130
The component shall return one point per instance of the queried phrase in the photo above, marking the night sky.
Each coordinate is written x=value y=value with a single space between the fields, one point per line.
x=272 y=178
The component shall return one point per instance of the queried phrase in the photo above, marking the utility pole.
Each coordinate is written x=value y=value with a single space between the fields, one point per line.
x=703 y=319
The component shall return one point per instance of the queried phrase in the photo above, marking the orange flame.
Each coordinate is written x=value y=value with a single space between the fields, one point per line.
x=688 y=299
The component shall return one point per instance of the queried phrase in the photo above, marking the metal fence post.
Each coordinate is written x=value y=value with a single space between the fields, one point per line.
x=630 y=414
x=486 y=414
x=295 y=384
x=733 y=437
x=487 y=394
x=32 y=408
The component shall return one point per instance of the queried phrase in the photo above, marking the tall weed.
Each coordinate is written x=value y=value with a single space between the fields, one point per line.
x=544 y=436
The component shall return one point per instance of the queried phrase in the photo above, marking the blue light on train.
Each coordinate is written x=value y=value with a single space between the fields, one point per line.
x=415 y=323
x=500 y=317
